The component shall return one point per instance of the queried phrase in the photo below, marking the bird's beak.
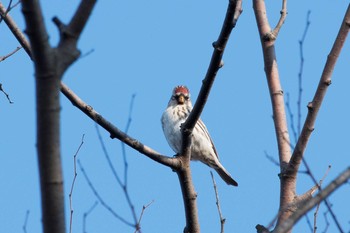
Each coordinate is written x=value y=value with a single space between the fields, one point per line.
x=181 y=99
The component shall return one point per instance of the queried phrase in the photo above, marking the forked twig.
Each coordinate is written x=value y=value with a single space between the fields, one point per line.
x=138 y=228
x=86 y=214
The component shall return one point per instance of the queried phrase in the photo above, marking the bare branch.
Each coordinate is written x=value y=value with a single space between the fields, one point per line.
x=122 y=185
x=272 y=159
x=314 y=106
x=233 y=12
x=2 y=58
x=86 y=214
x=24 y=227
x=326 y=221
x=138 y=225
x=100 y=199
x=278 y=27
x=15 y=30
x=268 y=39
x=67 y=51
x=301 y=69
x=308 y=205
x=291 y=117
x=115 y=132
x=222 y=219
x=73 y=182
x=318 y=206
x=122 y=144
x=7 y=95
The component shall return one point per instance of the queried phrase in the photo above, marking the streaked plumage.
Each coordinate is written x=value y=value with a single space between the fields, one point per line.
x=203 y=149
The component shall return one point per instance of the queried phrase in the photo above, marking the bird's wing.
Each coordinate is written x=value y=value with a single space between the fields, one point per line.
x=204 y=128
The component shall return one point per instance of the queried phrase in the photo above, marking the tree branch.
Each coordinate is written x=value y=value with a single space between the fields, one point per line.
x=314 y=106
x=50 y=64
x=15 y=30
x=287 y=184
x=233 y=12
x=308 y=205
x=117 y=133
x=48 y=120
x=67 y=51
x=222 y=219
x=2 y=58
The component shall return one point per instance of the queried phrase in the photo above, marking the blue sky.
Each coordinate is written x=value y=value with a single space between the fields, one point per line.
x=146 y=48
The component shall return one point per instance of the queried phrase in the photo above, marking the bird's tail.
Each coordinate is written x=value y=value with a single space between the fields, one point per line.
x=225 y=176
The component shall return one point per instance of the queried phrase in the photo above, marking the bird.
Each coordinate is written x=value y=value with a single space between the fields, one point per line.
x=202 y=148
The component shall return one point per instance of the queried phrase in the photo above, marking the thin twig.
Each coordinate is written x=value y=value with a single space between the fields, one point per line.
x=222 y=219
x=6 y=12
x=115 y=132
x=87 y=53
x=116 y=176
x=73 y=182
x=123 y=144
x=86 y=214
x=326 y=220
x=108 y=158
x=301 y=69
x=138 y=225
x=124 y=186
x=318 y=206
x=7 y=95
x=103 y=203
x=2 y=58
x=309 y=223
x=272 y=159
x=24 y=227
x=291 y=116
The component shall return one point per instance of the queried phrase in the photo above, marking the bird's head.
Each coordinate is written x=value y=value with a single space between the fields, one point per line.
x=181 y=95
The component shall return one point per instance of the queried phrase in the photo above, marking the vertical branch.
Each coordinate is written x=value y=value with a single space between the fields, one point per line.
x=50 y=64
x=48 y=117
x=268 y=38
x=233 y=12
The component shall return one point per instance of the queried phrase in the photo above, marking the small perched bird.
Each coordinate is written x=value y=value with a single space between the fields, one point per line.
x=203 y=149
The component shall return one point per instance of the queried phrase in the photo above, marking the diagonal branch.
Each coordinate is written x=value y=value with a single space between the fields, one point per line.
x=115 y=132
x=15 y=30
x=314 y=106
x=234 y=10
x=76 y=101
x=2 y=58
